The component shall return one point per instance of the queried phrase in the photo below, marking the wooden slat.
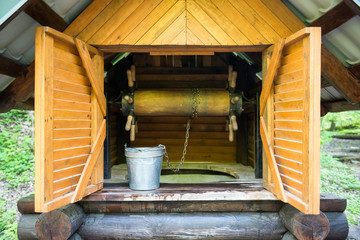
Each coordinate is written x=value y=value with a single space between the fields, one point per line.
x=71 y=133
x=71 y=96
x=288 y=87
x=68 y=172
x=198 y=120
x=288 y=96
x=71 y=142
x=199 y=31
x=288 y=105
x=203 y=149
x=66 y=105
x=180 y=135
x=153 y=141
x=291 y=67
x=288 y=115
x=291 y=173
x=289 y=162
x=75 y=123
x=270 y=74
x=93 y=77
x=288 y=153
x=181 y=127
x=288 y=134
x=67 y=56
x=271 y=161
x=69 y=67
x=293 y=191
x=90 y=163
x=284 y=143
x=203 y=157
x=293 y=57
x=64 y=75
x=71 y=114
x=288 y=124
x=68 y=162
x=182 y=77
x=288 y=181
x=67 y=86
x=289 y=77
x=292 y=48
x=70 y=152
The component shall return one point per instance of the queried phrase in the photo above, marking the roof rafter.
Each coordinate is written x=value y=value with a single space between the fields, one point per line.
x=10 y=68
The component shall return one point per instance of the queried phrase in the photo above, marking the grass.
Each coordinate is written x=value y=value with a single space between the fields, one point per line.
x=16 y=165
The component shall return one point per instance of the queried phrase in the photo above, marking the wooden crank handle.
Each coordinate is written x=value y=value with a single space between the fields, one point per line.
x=130 y=81
x=233 y=100
x=234 y=123
x=132 y=133
x=233 y=79
x=230 y=70
x=133 y=73
x=128 y=123
x=128 y=99
x=231 y=133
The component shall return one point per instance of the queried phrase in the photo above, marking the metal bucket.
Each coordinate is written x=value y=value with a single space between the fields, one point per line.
x=144 y=167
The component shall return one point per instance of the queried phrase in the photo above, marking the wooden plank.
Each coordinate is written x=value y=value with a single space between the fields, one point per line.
x=271 y=161
x=66 y=46
x=180 y=142
x=180 y=135
x=288 y=105
x=334 y=18
x=71 y=133
x=72 y=161
x=86 y=17
x=68 y=104
x=203 y=149
x=289 y=77
x=290 y=144
x=71 y=114
x=199 y=31
x=67 y=56
x=288 y=134
x=162 y=24
x=293 y=174
x=292 y=67
x=238 y=20
x=256 y=20
x=148 y=22
x=198 y=120
x=69 y=67
x=68 y=172
x=70 y=152
x=179 y=127
x=90 y=163
x=10 y=68
x=288 y=162
x=100 y=20
x=293 y=47
x=45 y=15
x=288 y=96
x=93 y=77
x=76 y=123
x=192 y=39
x=293 y=191
x=173 y=30
x=288 y=115
x=270 y=74
x=64 y=75
x=116 y=19
x=182 y=77
x=292 y=182
x=217 y=32
x=292 y=57
x=203 y=157
x=288 y=153
x=67 y=86
x=224 y=23
x=71 y=142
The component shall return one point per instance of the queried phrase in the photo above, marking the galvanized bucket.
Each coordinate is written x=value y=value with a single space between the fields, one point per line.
x=144 y=167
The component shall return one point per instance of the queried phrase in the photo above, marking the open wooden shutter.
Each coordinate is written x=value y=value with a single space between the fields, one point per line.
x=69 y=119
x=290 y=119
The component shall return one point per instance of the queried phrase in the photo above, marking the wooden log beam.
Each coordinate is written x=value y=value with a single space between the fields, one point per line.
x=304 y=226
x=174 y=226
x=20 y=90
x=60 y=223
x=340 y=106
x=10 y=68
x=339 y=227
x=334 y=18
x=43 y=14
x=339 y=76
x=26 y=227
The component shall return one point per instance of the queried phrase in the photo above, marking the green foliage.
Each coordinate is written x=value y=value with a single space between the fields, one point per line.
x=16 y=148
x=341 y=122
x=338 y=178
x=8 y=224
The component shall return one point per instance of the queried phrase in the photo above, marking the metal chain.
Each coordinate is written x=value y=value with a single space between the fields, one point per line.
x=194 y=114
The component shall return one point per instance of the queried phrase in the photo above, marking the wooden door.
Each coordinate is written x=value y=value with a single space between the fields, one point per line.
x=70 y=107
x=290 y=119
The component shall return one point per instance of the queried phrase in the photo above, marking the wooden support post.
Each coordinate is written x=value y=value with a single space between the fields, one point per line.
x=304 y=226
x=60 y=223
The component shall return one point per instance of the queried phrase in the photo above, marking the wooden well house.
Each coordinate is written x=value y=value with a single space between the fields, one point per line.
x=179 y=60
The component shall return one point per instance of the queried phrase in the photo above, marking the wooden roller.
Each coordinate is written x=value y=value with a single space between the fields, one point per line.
x=180 y=103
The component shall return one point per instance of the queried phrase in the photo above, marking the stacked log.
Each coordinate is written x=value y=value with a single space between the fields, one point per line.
x=262 y=219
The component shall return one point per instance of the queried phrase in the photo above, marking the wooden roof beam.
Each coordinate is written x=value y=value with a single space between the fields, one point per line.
x=43 y=14
x=10 y=68
x=334 y=18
